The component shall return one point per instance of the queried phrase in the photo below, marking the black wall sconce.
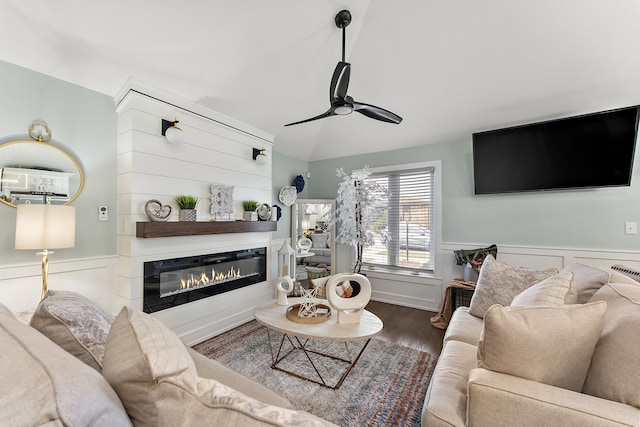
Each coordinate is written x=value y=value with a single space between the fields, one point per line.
x=172 y=132
x=260 y=155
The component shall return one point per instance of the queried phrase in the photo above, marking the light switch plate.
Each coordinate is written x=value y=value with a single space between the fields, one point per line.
x=630 y=228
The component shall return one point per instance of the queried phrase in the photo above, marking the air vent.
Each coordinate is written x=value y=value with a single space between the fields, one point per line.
x=627 y=271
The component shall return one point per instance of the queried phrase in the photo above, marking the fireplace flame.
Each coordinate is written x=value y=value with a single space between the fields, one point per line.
x=194 y=281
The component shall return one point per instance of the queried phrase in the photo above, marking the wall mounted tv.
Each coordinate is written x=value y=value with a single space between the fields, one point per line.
x=592 y=150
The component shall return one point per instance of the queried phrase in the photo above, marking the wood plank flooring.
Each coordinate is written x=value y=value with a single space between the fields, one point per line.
x=408 y=326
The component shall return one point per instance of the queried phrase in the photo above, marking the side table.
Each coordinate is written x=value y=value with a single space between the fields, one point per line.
x=461 y=296
x=457 y=293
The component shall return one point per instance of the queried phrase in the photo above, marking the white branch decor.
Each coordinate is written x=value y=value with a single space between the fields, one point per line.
x=357 y=199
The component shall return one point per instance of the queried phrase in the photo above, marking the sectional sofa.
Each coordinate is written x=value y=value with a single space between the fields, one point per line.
x=77 y=365
x=541 y=348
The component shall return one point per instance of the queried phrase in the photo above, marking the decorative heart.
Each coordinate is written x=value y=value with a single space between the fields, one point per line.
x=156 y=211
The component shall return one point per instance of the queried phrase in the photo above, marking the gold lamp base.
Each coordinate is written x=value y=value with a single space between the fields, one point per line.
x=45 y=270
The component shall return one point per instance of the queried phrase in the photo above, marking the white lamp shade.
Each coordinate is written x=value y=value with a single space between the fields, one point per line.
x=174 y=135
x=45 y=227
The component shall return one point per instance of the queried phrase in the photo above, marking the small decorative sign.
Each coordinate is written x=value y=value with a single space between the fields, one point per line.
x=221 y=201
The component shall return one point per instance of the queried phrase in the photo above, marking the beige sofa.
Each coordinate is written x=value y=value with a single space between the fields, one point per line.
x=77 y=365
x=499 y=371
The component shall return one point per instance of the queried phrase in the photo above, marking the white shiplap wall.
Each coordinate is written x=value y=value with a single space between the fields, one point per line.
x=217 y=150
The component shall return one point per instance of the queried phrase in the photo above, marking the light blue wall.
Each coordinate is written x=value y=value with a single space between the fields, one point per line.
x=584 y=219
x=82 y=121
x=285 y=169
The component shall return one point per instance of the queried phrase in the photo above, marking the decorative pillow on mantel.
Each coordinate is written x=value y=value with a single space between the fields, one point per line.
x=499 y=283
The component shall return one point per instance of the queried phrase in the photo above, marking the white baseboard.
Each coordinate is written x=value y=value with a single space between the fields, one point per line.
x=419 y=303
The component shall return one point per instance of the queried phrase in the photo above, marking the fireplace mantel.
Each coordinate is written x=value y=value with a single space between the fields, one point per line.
x=187 y=228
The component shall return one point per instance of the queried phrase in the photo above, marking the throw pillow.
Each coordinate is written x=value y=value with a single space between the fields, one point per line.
x=620 y=277
x=41 y=384
x=499 y=283
x=615 y=367
x=191 y=401
x=551 y=291
x=139 y=352
x=586 y=281
x=319 y=240
x=75 y=323
x=550 y=345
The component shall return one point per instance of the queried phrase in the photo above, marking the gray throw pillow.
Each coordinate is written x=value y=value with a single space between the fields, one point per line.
x=75 y=323
x=499 y=283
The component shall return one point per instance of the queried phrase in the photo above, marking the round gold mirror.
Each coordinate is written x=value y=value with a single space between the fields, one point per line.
x=34 y=171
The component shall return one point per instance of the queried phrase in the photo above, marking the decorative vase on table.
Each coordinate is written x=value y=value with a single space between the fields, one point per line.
x=187 y=215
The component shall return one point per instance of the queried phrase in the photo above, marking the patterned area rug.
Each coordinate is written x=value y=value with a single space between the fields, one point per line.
x=386 y=387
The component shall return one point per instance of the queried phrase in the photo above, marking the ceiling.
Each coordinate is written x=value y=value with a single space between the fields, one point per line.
x=449 y=68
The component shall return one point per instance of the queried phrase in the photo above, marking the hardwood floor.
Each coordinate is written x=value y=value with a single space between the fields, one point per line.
x=408 y=326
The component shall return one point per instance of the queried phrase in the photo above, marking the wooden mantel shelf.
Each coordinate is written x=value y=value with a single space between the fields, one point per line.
x=188 y=228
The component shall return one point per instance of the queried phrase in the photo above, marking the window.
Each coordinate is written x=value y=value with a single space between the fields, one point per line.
x=403 y=231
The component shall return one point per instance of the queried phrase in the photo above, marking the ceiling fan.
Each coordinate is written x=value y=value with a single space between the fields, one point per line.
x=341 y=103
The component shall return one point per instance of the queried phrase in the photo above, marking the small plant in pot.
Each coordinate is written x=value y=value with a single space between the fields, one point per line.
x=187 y=205
x=249 y=207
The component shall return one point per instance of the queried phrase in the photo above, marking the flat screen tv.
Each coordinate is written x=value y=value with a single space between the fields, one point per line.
x=592 y=150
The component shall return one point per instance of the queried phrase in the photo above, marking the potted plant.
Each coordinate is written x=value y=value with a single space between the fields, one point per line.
x=249 y=207
x=187 y=205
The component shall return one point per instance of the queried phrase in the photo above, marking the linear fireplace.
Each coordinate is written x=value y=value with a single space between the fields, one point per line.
x=172 y=282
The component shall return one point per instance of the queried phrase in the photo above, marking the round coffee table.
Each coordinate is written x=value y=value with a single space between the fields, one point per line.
x=273 y=316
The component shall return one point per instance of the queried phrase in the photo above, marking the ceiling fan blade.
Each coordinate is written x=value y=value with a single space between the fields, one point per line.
x=339 y=82
x=377 y=113
x=321 y=116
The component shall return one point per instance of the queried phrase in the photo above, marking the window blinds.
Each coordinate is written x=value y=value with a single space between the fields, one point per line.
x=403 y=229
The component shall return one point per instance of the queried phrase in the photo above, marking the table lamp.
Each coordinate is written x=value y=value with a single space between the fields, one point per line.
x=45 y=227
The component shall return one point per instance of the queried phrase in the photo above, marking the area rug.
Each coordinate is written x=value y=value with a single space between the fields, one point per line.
x=386 y=387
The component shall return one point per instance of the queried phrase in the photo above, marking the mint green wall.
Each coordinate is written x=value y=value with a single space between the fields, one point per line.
x=582 y=219
x=84 y=122
x=284 y=171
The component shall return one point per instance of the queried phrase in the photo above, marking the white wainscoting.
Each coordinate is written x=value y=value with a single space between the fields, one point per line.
x=95 y=278
x=426 y=292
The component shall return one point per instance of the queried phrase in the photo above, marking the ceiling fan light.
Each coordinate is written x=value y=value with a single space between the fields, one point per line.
x=343 y=110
